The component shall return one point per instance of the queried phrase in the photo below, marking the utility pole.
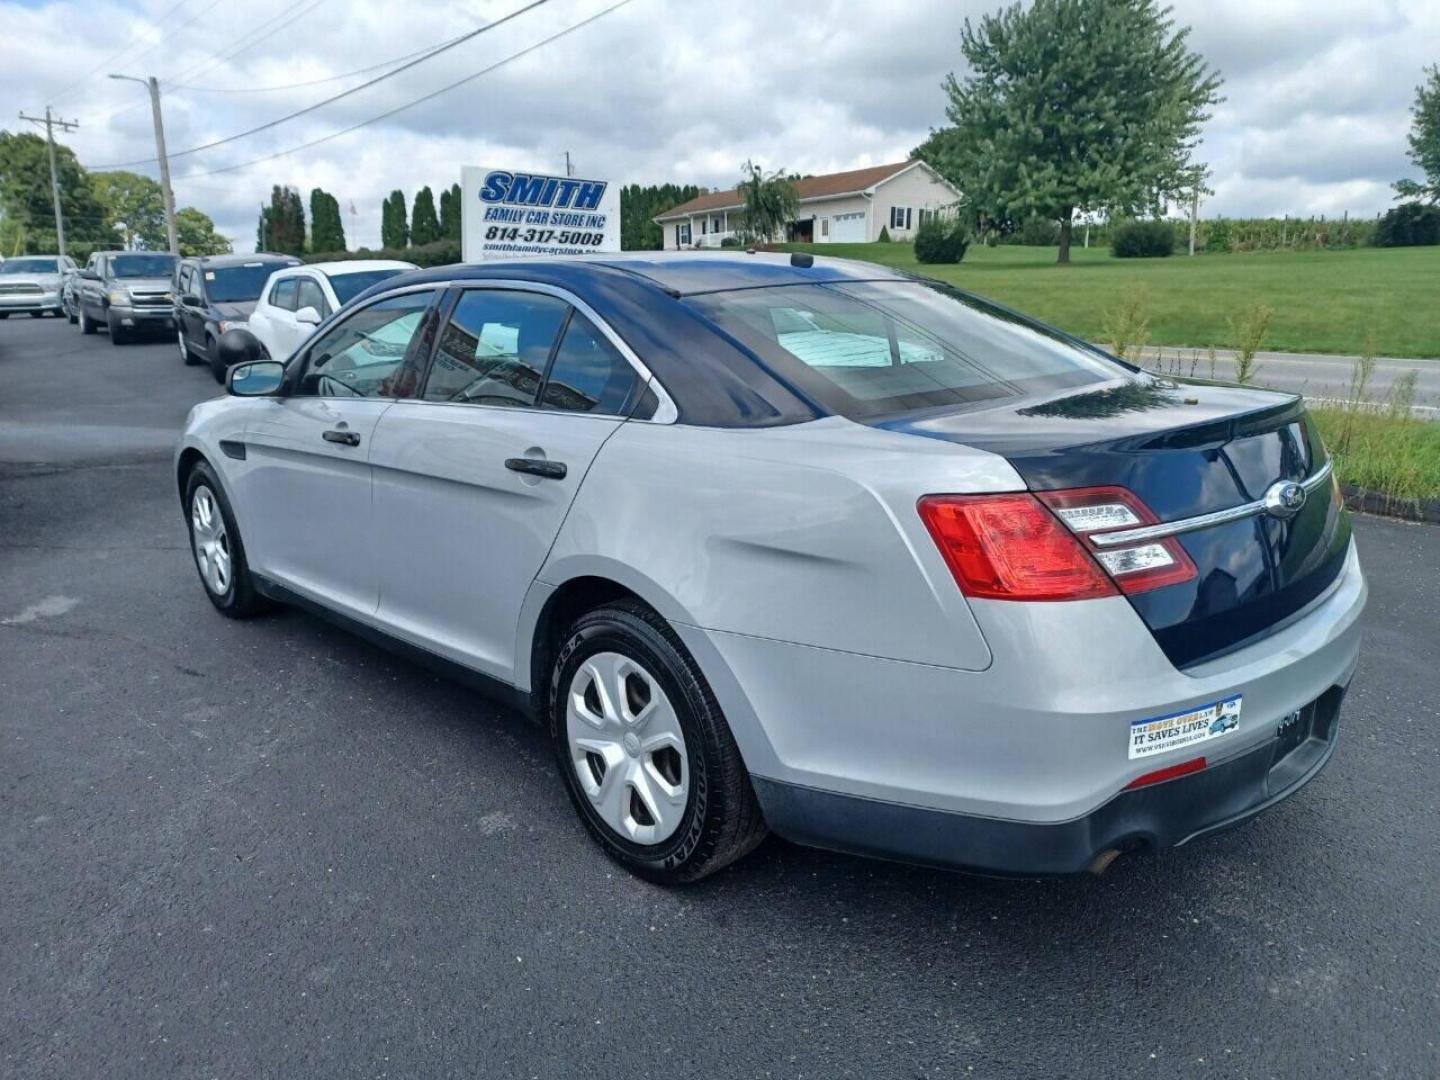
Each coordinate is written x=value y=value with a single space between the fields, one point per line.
x=153 y=85
x=51 y=123
x=1194 y=214
x=568 y=170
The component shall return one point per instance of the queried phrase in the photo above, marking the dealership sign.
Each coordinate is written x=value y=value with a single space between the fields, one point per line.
x=505 y=213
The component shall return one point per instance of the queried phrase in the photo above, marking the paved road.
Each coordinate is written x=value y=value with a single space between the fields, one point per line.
x=267 y=849
x=1316 y=376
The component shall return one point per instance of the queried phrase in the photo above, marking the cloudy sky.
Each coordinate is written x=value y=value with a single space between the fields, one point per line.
x=1316 y=111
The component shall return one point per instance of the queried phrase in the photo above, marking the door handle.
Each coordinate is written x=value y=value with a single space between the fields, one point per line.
x=344 y=438
x=551 y=470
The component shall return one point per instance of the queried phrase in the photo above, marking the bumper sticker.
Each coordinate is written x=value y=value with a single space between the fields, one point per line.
x=1161 y=734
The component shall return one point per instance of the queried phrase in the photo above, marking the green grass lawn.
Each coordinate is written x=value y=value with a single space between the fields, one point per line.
x=1324 y=301
x=1396 y=457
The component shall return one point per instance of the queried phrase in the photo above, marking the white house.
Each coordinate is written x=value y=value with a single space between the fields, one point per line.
x=839 y=208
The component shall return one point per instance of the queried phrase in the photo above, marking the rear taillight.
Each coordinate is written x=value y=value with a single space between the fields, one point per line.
x=1010 y=547
x=1136 y=568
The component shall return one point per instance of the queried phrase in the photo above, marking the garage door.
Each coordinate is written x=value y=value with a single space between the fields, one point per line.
x=848 y=228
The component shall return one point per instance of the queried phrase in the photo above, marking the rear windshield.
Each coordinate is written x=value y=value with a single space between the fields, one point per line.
x=142 y=266
x=238 y=284
x=866 y=349
x=29 y=266
x=349 y=286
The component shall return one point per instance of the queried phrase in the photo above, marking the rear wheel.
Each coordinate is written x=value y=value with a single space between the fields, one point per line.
x=219 y=553
x=645 y=751
x=185 y=353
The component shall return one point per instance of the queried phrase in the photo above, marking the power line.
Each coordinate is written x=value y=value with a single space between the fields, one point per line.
x=417 y=101
x=300 y=85
x=343 y=94
x=134 y=39
x=279 y=19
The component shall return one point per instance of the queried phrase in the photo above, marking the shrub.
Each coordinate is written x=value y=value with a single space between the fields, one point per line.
x=941 y=238
x=729 y=241
x=1143 y=240
x=884 y=234
x=1410 y=224
x=439 y=253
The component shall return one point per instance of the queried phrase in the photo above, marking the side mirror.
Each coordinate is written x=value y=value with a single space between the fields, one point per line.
x=256 y=379
x=307 y=316
x=89 y=275
x=190 y=300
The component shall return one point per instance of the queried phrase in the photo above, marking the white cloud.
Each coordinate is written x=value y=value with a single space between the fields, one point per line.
x=1314 y=122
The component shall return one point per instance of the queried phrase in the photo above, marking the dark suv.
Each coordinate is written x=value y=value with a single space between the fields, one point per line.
x=215 y=293
x=126 y=291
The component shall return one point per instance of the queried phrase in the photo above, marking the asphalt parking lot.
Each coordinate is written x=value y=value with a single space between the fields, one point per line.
x=269 y=849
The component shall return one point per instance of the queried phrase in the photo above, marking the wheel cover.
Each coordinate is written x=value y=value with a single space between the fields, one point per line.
x=212 y=542
x=180 y=339
x=627 y=748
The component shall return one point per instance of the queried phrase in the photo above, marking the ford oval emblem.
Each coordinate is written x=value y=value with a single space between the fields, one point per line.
x=1284 y=499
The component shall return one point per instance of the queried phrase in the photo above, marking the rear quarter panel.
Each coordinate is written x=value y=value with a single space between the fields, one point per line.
x=806 y=534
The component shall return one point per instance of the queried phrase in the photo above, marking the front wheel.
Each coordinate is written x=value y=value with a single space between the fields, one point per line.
x=219 y=552
x=118 y=334
x=87 y=324
x=646 y=754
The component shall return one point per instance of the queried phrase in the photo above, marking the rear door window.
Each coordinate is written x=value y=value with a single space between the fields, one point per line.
x=495 y=347
x=589 y=374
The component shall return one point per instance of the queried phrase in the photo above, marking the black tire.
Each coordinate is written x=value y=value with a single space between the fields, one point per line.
x=239 y=600
x=722 y=819
x=37 y=314
x=118 y=334
x=185 y=353
x=72 y=317
x=217 y=369
x=87 y=324
x=4 y=314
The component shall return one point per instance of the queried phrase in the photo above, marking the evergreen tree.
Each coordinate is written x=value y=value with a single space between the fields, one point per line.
x=450 y=207
x=424 y=224
x=327 y=232
x=639 y=205
x=1425 y=140
x=1075 y=105
x=394 y=232
x=282 y=223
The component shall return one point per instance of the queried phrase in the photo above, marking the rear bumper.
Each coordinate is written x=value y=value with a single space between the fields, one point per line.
x=1158 y=816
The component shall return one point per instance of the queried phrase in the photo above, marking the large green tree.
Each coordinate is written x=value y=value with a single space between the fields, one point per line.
x=424 y=222
x=138 y=202
x=26 y=206
x=450 y=205
x=327 y=231
x=394 y=232
x=1074 y=106
x=1425 y=140
x=197 y=234
x=770 y=202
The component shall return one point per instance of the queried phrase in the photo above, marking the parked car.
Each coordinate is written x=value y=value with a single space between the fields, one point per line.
x=804 y=545
x=70 y=294
x=127 y=292
x=297 y=300
x=216 y=293
x=31 y=284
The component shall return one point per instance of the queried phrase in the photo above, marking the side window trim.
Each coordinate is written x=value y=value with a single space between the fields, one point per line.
x=666 y=411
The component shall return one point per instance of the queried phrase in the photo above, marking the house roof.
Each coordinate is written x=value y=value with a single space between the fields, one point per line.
x=812 y=187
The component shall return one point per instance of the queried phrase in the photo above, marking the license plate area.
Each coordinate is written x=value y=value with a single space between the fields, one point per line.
x=1302 y=739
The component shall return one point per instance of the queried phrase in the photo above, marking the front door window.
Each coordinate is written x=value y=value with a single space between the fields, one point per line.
x=369 y=354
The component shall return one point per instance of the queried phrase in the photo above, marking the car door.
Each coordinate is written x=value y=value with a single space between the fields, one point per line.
x=306 y=488
x=90 y=288
x=473 y=478
x=192 y=315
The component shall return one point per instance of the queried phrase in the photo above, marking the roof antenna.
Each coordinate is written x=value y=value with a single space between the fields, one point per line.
x=802 y=259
